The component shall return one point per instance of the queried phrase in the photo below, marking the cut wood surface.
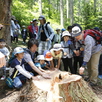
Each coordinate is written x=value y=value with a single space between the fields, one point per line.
x=62 y=87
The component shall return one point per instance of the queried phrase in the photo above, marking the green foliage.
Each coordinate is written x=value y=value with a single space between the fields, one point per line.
x=84 y=13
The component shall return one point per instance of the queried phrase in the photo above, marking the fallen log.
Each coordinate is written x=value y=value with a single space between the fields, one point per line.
x=62 y=87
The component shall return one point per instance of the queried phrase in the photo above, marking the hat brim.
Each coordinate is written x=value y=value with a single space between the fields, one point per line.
x=19 y=52
x=57 y=49
x=48 y=59
x=74 y=35
x=40 y=18
x=66 y=35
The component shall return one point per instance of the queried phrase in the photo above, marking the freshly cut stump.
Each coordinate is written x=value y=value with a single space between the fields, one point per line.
x=62 y=87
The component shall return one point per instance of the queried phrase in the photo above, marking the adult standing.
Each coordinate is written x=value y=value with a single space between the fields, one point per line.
x=91 y=54
x=13 y=28
x=45 y=35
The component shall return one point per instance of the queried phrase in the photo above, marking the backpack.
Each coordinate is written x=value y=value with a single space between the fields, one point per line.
x=94 y=34
x=48 y=31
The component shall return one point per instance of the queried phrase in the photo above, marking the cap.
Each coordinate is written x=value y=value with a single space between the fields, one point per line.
x=2 y=40
x=66 y=33
x=96 y=28
x=48 y=55
x=18 y=50
x=41 y=17
x=34 y=20
x=63 y=29
x=31 y=22
x=76 y=31
x=23 y=26
x=57 y=29
x=40 y=57
x=57 y=47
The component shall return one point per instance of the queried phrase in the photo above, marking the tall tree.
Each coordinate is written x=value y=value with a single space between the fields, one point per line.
x=5 y=19
x=61 y=13
x=95 y=1
x=40 y=7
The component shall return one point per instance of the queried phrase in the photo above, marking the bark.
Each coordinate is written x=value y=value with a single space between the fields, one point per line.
x=63 y=87
x=5 y=14
x=61 y=13
x=40 y=7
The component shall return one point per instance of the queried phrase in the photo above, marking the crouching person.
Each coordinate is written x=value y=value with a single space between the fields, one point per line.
x=19 y=75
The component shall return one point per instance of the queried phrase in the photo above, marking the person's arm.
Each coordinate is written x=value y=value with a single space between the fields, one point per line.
x=51 y=31
x=22 y=71
x=59 y=63
x=38 y=71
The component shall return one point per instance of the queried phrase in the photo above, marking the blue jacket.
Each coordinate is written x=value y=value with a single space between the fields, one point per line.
x=49 y=33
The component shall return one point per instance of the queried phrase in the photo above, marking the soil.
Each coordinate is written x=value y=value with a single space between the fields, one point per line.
x=6 y=94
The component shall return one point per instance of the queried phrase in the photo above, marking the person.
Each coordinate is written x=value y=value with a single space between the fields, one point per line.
x=45 y=35
x=1 y=26
x=29 y=57
x=100 y=60
x=62 y=30
x=57 y=37
x=69 y=28
x=91 y=54
x=13 y=28
x=29 y=28
x=6 y=52
x=24 y=33
x=19 y=74
x=17 y=32
x=78 y=57
x=56 y=52
x=68 y=48
x=41 y=64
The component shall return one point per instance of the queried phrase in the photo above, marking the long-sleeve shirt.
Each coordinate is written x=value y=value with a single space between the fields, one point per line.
x=49 y=33
x=68 y=48
x=19 y=65
x=90 y=48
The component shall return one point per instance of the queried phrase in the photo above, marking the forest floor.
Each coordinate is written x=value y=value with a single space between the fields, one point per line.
x=9 y=94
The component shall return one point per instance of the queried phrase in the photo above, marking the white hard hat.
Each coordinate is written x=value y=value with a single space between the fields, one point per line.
x=76 y=31
x=18 y=50
x=66 y=33
x=40 y=57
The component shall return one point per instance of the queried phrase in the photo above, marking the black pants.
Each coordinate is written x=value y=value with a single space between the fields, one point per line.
x=100 y=65
x=77 y=59
x=16 y=39
x=12 y=39
x=67 y=62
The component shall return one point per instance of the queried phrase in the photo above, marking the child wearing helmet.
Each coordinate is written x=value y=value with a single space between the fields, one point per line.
x=68 y=54
x=56 y=52
x=19 y=75
x=41 y=64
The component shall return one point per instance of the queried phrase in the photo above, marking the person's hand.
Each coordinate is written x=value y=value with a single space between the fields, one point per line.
x=1 y=26
x=81 y=70
x=46 y=76
x=34 y=78
x=65 y=53
x=47 y=39
x=81 y=49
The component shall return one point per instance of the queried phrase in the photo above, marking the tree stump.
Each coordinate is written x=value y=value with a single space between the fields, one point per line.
x=62 y=87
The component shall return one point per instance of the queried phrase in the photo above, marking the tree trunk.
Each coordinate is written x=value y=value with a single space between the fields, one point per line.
x=40 y=7
x=67 y=8
x=95 y=7
x=71 y=11
x=63 y=87
x=5 y=19
x=61 y=13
